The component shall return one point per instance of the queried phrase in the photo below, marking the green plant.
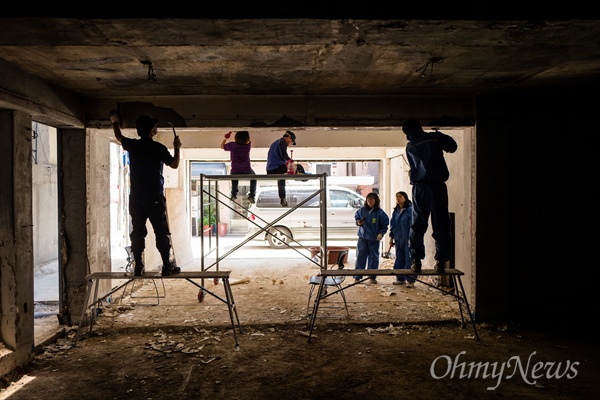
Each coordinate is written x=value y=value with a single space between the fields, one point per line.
x=209 y=216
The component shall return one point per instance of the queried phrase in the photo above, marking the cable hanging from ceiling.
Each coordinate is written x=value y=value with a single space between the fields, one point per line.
x=427 y=68
x=151 y=75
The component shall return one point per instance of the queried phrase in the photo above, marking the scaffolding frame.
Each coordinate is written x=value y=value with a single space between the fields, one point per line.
x=212 y=192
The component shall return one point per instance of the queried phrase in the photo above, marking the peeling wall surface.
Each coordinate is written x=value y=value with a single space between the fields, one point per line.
x=16 y=240
x=98 y=205
x=177 y=210
x=75 y=264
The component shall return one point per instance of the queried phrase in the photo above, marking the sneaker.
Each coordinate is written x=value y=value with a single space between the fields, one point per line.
x=170 y=269
x=373 y=281
x=284 y=203
x=439 y=266
x=410 y=285
x=139 y=269
x=233 y=196
x=399 y=282
x=416 y=265
x=251 y=199
x=356 y=280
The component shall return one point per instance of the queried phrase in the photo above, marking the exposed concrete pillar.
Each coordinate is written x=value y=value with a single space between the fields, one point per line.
x=16 y=240
x=98 y=204
x=83 y=184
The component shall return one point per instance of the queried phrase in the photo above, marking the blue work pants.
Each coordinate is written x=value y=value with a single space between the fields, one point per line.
x=430 y=199
x=367 y=251
x=403 y=261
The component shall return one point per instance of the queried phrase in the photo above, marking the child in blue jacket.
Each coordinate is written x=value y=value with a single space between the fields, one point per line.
x=372 y=224
x=399 y=232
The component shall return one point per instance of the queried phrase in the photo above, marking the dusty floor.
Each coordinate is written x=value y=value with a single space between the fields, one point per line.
x=396 y=343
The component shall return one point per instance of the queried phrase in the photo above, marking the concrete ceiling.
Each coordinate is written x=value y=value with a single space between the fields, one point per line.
x=177 y=57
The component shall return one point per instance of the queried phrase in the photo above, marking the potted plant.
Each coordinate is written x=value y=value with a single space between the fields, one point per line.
x=208 y=217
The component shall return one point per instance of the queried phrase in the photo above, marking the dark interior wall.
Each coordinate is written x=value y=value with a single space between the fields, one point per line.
x=536 y=211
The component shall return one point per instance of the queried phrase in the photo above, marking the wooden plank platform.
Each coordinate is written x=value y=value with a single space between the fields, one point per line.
x=93 y=280
x=157 y=275
x=389 y=272
x=455 y=274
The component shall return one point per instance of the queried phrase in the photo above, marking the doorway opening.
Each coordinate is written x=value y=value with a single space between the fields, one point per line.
x=46 y=283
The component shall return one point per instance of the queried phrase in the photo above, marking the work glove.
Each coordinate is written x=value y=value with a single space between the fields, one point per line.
x=114 y=116
x=379 y=237
x=228 y=135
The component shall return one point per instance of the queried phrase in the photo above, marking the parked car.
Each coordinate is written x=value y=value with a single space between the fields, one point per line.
x=301 y=220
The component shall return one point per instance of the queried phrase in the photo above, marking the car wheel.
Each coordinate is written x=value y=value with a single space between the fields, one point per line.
x=279 y=237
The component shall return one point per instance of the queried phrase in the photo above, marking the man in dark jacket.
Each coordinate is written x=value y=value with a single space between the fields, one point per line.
x=147 y=199
x=277 y=159
x=428 y=176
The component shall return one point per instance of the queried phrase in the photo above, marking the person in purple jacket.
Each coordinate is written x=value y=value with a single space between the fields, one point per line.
x=372 y=224
x=239 y=151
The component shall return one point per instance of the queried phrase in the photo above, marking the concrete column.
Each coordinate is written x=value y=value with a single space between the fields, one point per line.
x=16 y=241
x=83 y=185
x=98 y=203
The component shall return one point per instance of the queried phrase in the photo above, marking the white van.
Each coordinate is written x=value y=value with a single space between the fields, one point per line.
x=304 y=222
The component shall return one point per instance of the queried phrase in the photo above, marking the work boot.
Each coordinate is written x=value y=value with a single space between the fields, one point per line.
x=170 y=269
x=439 y=266
x=416 y=265
x=139 y=269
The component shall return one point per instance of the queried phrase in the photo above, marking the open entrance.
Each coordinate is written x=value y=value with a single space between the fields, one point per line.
x=46 y=288
x=361 y=176
x=389 y=176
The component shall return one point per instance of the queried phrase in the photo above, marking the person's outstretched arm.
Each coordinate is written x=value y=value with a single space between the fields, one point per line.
x=227 y=135
x=114 y=119
x=176 y=146
x=449 y=145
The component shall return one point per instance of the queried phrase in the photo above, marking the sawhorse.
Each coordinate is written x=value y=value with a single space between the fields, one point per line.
x=93 y=281
x=458 y=294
